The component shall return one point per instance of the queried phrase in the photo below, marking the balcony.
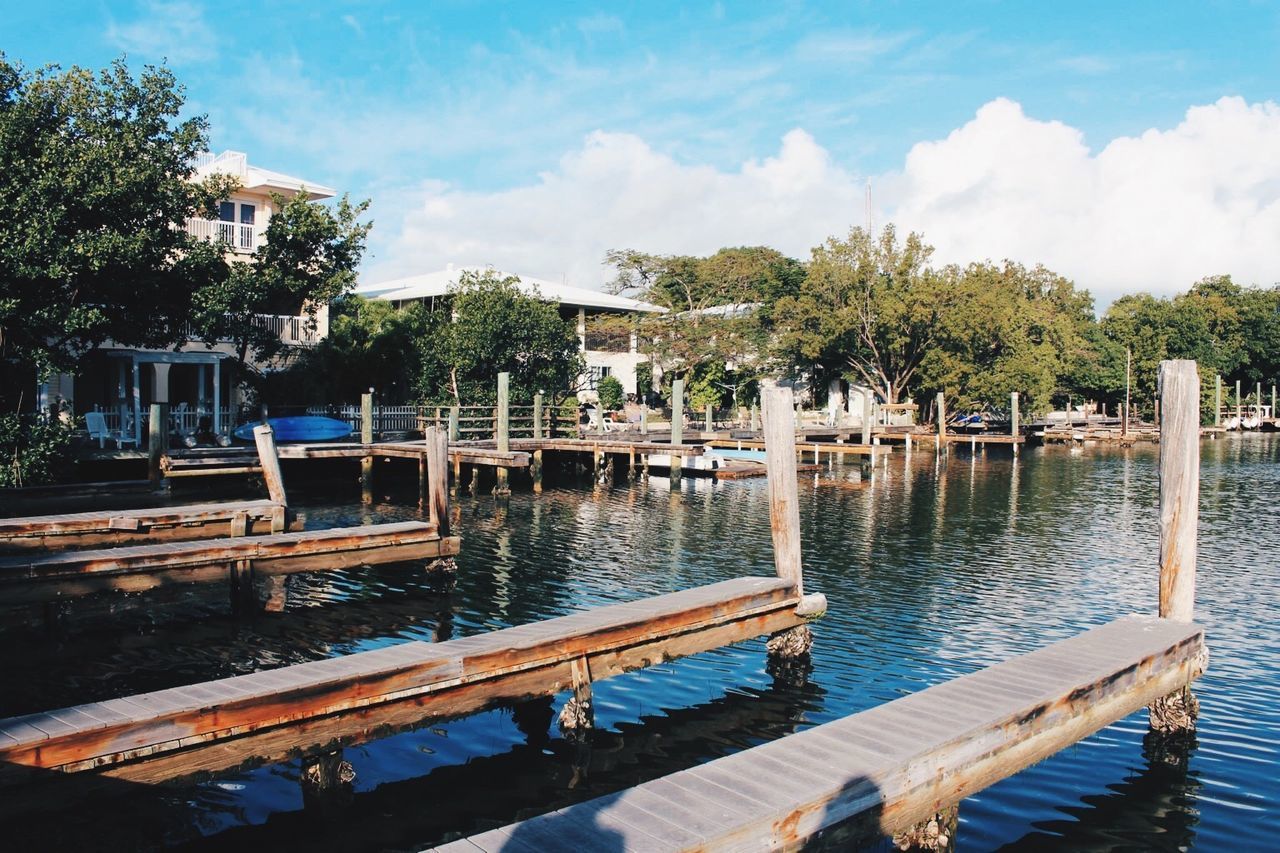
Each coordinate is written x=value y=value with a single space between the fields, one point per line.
x=292 y=329
x=239 y=237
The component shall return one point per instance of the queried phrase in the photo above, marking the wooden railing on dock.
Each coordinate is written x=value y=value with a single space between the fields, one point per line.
x=881 y=771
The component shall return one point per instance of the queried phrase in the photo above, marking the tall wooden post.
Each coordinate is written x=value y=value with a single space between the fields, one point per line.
x=1128 y=409
x=1274 y=415
x=780 y=465
x=644 y=418
x=866 y=417
x=537 y=415
x=157 y=443
x=1217 y=399
x=1239 y=408
x=710 y=418
x=437 y=459
x=454 y=417
x=366 y=438
x=265 y=439
x=677 y=424
x=784 y=518
x=1258 y=403
x=1013 y=420
x=942 y=421
x=503 y=436
x=755 y=418
x=1179 y=385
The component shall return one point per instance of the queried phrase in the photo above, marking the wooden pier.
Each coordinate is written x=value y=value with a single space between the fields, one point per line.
x=880 y=772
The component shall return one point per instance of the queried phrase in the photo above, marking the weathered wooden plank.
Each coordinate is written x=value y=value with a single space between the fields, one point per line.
x=844 y=770
x=119 y=527
x=165 y=721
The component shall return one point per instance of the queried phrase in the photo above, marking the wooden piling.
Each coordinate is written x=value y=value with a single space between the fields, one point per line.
x=866 y=417
x=942 y=422
x=755 y=418
x=644 y=419
x=1013 y=420
x=269 y=460
x=157 y=443
x=1217 y=399
x=1239 y=408
x=1179 y=386
x=436 y=458
x=537 y=415
x=503 y=432
x=453 y=423
x=784 y=504
x=366 y=438
x=677 y=424
x=710 y=424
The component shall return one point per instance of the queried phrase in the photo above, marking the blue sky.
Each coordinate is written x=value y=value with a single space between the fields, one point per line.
x=413 y=104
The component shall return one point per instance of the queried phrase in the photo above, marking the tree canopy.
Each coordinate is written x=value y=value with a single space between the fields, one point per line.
x=96 y=183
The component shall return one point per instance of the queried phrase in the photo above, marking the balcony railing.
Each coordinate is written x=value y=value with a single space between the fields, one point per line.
x=240 y=237
x=294 y=330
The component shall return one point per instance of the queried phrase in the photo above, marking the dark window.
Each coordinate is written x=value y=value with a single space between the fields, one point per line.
x=246 y=214
x=227 y=211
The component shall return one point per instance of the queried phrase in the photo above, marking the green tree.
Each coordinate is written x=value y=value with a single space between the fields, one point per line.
x=499 y=326
x=307 y=258
x=871 y=307
x=95 y=182
x=610 y=392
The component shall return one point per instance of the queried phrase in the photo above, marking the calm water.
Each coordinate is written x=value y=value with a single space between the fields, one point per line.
x=933 y=570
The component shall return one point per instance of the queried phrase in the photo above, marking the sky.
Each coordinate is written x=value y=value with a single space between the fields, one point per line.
x=1129 y=146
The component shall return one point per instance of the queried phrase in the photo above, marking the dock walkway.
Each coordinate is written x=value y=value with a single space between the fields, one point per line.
x=278 y=713
x=884 y=770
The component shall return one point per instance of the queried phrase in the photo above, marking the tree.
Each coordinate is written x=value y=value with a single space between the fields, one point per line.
x=95 y=182
x=499 y=326
x=307 y=259
x=610 y=393
x=870 y=306
x=715 y=309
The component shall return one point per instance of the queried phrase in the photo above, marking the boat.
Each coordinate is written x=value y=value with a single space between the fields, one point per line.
x=300 y=428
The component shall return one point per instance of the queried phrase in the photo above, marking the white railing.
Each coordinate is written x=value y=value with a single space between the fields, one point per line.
x=239 y=236
x=186 y=421
x=385 y=418
x=292 y=329
x=228 y=162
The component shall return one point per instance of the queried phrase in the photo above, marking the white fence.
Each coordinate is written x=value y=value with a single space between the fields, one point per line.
x=182 y=420
x=385 y=418
x=292 y=329
x=239 y=236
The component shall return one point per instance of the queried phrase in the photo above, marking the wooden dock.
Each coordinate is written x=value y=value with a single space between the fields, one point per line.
x=135 y=526
x=50 y=576
x=271 y=715
x=881 y=771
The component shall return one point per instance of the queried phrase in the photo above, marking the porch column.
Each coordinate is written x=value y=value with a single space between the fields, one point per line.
x=137 y=403
x=217 y=397
x=160 y=393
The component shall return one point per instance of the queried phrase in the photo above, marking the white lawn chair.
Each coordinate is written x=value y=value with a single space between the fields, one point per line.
x=97 y=425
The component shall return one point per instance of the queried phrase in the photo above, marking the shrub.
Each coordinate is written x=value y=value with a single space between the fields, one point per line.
x=36 y=450
x=610 y=391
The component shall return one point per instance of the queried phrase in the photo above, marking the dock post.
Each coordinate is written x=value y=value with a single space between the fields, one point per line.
x=1239 y=408
x=577 y=716
x=326 y=782
x=537 y=415
x=677 y=426
x=644 y=419
x=1217 y=400
x=631 y=464
x=436 y=457
x=1274 y=415
x=453 y=423
x=1013 y=423
x=265 y=439
x=755 y=418
x=784 y=513
x=866 y=417
x=1179 y=385
x=501 y=487
x=157 y=443
x=942 y=422
x=535 y=470
x=366 y=438
x=710 y=419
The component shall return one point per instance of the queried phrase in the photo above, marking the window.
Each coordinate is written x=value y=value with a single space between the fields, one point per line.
x=227 y=211
x=595 y=373
x=246 y=214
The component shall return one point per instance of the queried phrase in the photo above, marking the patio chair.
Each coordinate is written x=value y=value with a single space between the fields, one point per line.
x=96 y=423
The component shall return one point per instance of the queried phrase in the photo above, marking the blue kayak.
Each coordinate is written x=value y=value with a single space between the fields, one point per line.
x=300 y=428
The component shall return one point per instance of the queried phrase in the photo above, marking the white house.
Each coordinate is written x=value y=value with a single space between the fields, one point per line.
x=604 y=355
x=122 y=382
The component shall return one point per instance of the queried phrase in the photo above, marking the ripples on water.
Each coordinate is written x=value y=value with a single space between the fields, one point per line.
x=933 y=570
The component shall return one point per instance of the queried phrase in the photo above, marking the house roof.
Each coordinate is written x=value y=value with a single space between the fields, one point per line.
x=440 y=282
x=255 y=177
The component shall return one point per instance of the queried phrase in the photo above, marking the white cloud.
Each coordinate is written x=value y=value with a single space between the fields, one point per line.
x=175 y=31
x=617 y=192
x=1154 y=212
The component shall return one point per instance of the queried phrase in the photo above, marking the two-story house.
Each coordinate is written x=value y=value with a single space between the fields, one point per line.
x=122 y=382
